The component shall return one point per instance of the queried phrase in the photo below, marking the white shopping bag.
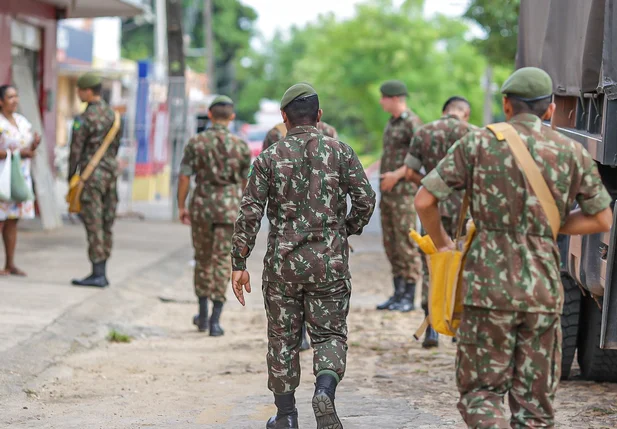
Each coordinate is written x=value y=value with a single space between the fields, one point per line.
x=5 y=177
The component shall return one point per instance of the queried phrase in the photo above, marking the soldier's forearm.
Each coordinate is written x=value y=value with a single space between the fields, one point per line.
x=184 y=183
x=427 y=207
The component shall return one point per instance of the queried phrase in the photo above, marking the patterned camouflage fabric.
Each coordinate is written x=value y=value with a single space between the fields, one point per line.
x=396 y=207
x=494 y=358
x=99 y=198
x=512 y=267
x=429 y=145
x=324 y=306
x=220 y=163
x=304 y=180
x=275 y=134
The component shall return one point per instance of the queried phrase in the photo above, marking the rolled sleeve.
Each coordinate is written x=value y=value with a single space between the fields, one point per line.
x=436 y=185
x=186 y=170
x=596 y=204
x=412 y=162
x=238 y=263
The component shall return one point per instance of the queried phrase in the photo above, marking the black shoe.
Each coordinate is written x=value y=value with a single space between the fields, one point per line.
x=96 y=279
x=323 y=403
x=431 y=338
x=215 y=327
x=406 y=304
x=305 y=342
x=286 y=414
x=399 y=285
x=201 y=320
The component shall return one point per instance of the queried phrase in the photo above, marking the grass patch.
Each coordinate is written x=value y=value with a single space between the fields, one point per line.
x=118 y=337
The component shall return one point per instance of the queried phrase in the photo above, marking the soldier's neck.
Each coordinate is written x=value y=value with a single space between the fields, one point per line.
x=221 y=123
x=397 y=111
x=95 y=99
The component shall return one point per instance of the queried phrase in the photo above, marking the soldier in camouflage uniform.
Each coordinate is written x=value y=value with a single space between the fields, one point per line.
x=396 y=204
x=219 y=161
x=279 y=132
x=510 y=333
x=428 y=146
x=276 y=134
x=304 y=180
x=99 y=197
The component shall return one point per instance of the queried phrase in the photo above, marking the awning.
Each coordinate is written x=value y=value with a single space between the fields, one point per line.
x=99 y=8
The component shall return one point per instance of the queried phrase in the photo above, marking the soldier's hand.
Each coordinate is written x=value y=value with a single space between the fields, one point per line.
x=240 y=280
x=388 y=181
x=184 y=216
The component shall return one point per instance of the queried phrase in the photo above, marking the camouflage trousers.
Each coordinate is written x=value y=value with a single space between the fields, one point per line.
x=509 y=352
x=324 y=307
x=451 y=230
x=212 y=244
x=99 y=200
x=398 y=215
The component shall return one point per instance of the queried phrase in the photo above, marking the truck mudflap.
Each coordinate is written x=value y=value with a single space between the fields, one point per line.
x=608 y=333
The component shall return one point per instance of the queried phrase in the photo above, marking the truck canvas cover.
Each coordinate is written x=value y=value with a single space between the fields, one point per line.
x=575 y=41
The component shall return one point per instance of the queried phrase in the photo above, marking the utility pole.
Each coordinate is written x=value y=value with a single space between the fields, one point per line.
x=161 y=40
x=209 y=41
x=176 y=94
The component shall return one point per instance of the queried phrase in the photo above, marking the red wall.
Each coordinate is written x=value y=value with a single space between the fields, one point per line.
x=43 y=16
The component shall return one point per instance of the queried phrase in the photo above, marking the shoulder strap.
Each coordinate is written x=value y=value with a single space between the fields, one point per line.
x=505 y=131
x=111 y=135
x=282 y=129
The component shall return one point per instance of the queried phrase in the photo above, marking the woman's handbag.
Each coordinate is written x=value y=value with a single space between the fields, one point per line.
x=20 y=191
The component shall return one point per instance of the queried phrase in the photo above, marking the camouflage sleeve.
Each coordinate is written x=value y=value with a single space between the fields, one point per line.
x=362 y=197
x=251 y=211
x=187 y=166
x=79 y=136
x=452 y=173
x=272 y=137
x=413 y=159
x=592 y=196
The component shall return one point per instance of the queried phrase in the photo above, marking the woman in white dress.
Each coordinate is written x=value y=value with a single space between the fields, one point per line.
x=15 y=135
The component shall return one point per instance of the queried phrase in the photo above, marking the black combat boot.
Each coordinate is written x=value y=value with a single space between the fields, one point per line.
x=323 y=402
x=305 y=342
x=431 y=337
x=406 y=303
x=96 y=279
x=286 y=413
x=399 y=289
x=215 y=328
x=201 y=320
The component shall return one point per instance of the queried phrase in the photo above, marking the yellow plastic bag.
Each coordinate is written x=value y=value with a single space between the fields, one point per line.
x=445 y=300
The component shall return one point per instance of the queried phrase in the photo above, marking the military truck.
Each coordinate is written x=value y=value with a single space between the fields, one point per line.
x=575 y=41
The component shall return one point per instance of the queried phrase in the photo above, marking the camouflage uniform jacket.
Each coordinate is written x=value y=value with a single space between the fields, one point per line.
x=304 y=180
x=513 y=262
x=89 y=131
x=396 y=140
x=220 y=162
x=430 y=145
x=275 y=135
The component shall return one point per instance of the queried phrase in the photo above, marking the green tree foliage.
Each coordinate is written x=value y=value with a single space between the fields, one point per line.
x=347 y=61
x=499 y=20
x=233 y=26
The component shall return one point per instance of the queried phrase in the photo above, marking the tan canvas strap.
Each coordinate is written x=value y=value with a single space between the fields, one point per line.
x=109 y=138
x=282 y=129
x=505 y=131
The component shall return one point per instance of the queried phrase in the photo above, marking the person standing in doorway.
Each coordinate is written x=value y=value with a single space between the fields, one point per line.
x=16 y=136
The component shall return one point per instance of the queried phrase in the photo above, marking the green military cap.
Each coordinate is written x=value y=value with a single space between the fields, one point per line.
x=89 y=80
x=298 y=91
x=221 y=99
x=528 y=84
x=393 y=88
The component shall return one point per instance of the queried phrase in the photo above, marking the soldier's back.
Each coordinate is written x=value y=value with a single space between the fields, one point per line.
x=98 y=119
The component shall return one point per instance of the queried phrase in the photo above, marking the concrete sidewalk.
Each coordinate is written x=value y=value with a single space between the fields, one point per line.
x=42 y=316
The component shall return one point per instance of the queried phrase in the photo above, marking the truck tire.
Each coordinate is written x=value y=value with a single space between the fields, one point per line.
x=596 y=364
x=569 y=322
